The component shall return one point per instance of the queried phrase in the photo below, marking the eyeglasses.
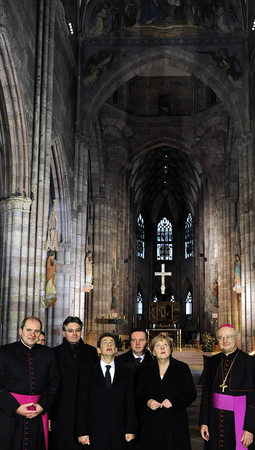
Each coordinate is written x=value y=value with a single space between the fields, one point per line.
x=77 y=330
x=138 y=340
x=228 y=336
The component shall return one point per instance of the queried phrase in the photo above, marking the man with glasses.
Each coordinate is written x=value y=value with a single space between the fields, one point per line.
x=28 y=383
x=138 y=353
x=70 y=355
x=105 y=401
x=227 y=414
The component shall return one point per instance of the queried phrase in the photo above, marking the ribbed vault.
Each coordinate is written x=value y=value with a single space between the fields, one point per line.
x=166 y=174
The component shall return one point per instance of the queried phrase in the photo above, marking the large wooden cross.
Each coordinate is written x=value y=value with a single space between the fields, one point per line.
x=163 y=274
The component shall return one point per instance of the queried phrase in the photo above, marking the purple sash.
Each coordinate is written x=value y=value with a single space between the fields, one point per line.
x=23 y=399
x=238 y=406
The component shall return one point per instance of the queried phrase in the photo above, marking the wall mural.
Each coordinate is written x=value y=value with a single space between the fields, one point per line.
x=172 y=17
x=229 y=63
x=95 y=66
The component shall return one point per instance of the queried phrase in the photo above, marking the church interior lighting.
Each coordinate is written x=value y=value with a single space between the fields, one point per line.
x=70 y=26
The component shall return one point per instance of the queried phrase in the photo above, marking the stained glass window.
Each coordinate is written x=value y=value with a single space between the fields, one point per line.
x=140 y=250
x=189 y=245
x=188 y=303
x=164 y=240
x=139 y=305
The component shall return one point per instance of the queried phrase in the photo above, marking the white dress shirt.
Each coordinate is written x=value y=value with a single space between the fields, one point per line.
x=103 y=365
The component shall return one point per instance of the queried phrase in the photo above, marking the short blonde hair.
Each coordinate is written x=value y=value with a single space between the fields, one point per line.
x=161 y=338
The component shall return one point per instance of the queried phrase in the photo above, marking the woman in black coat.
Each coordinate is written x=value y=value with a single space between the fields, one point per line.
x=165 y=388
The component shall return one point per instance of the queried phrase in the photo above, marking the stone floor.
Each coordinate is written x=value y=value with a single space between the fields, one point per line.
x=195 y=360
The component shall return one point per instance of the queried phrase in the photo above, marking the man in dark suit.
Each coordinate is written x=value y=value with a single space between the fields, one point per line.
x=69 y=357
x=105 y=401
x=138 y=354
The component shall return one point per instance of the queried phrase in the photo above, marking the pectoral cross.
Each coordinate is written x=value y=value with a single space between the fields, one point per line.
x=163 y=274
x=223 y=386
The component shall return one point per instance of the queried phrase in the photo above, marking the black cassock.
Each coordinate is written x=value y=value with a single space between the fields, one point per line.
x=165 y=429
x=28 y=372
x=106 y=415
x=240 y=381
x=69 y=358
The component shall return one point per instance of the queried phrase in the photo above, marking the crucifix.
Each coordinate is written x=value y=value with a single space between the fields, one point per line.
x=163 y=274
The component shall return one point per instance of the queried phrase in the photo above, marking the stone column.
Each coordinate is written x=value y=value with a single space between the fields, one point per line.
x=41 y=157
x=245 y=145
x=101 y=295
x=77 y=296
x=229 y=305
x=14 y=216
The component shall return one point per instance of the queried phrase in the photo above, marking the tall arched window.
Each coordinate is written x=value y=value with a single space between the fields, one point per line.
x=189 y=244
x=139 y=304
x=164 y=240
x=140 y=237
x=189 y=304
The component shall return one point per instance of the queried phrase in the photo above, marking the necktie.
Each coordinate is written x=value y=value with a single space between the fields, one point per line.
x=138 y=361
x=108 y=377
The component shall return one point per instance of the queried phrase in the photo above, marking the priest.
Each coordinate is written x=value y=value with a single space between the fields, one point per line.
x=227 y=414
x=28 y=384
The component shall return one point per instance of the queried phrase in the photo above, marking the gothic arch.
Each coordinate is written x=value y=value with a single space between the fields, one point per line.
x=175 y=57
x=17 y=177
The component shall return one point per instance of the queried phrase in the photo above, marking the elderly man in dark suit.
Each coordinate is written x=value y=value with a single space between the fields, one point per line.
x=69 y=357
x=105 y=409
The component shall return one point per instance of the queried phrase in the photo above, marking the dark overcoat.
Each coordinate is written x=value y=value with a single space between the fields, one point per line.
x=165 y=429
x=240 y=381
x=69 y=359
x=129 y=359
x=106 y=415
x=27 y=371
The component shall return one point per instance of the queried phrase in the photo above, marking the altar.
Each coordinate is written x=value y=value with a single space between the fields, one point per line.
x=174 y=333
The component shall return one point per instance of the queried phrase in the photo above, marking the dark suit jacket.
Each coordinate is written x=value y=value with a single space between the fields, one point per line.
x=129 y=359
x=62 y=413
x=106 y=415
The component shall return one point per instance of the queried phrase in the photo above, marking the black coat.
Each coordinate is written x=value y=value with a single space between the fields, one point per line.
x=241 y=381
x=131 y=362
x=28 y=372
x=69 y=359
x=165 y=429
x=106 y=415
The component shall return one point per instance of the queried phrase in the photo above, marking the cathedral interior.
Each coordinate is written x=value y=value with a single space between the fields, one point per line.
x=127 y=166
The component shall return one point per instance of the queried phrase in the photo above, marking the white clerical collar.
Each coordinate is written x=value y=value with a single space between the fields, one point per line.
x=227 y=354
x=26 y=344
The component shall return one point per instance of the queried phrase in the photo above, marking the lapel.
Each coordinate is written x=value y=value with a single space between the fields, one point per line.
x=116 y=374
x=99 y=376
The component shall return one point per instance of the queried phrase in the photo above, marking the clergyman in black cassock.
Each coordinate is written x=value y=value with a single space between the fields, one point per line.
x=166 y=426
x=69 y=356
x=105 y=414
x=26 y=369
x=228 y=378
